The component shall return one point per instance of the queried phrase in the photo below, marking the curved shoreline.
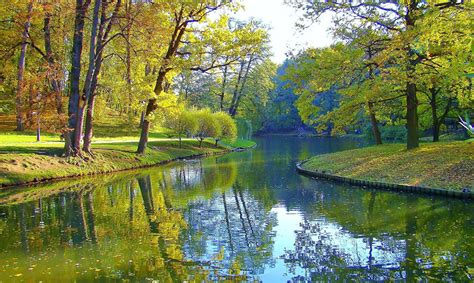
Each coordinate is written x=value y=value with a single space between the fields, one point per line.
x=383 y=185
x=39 y=181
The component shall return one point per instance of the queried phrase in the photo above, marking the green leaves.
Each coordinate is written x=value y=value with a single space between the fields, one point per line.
x=228 y=125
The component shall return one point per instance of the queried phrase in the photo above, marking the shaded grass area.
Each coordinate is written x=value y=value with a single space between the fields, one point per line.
x=24 y=164
x=437 y=165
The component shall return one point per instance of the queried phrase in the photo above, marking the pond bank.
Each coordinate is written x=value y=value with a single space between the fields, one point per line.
x=434 y=168
x=25 y=166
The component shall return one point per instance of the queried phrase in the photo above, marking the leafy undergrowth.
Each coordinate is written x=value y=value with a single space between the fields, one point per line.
x=23 y=163
x=437 y=165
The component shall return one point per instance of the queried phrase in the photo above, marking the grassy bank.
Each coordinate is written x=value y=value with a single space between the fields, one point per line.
x=436 y=165
x=23 y=161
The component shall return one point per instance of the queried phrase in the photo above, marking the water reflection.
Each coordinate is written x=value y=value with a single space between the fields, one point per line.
x=241 y=216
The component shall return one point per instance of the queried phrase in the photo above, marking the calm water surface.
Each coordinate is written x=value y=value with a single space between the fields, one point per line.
x=244 y=216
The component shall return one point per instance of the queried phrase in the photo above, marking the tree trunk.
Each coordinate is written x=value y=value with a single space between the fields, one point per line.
x=180 y=144
x=236 y=89
x=436 y=130
x=374 y=123
x=412 y=111
x=89 y=125
x=88 y=80
x=412 y=101
x=143 y=136
x=173 y=45
x=55 y=83
x=142 y=118
x=370 y=104
x=102 y=37
x=240 y=92
x=434 y=115
x=75 y=74
x=21 y=69
x=224 y=81
x=29 y=111
x=88 y=131
x=128 y=59
x=438 y=121
x=151 y=106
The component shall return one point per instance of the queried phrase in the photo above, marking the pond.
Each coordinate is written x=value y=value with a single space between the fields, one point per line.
x=244 y=216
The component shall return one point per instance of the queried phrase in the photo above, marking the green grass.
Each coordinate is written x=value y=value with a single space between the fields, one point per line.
x=239 y=143
x=24 y=164
x=437 y=165
x=446 y=137
x=23 y=160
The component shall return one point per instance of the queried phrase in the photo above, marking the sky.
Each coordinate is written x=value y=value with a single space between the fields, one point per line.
x=281 y=19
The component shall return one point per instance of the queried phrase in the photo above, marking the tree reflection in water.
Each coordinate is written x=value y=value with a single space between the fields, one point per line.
x=384 y=243
x=160 y=225
x=233 y=217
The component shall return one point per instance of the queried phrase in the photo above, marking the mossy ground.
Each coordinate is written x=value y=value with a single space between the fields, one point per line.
x=448 y=165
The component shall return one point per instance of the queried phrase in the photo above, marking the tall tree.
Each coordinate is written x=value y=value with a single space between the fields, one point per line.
x=182 y=14
x=54 y=68
x=401 y=20
x=88 y=79
x=75 y=76
x=103 y=37
x=21 y=66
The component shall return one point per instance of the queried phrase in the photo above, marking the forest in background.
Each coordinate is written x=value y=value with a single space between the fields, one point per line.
x=397 y=71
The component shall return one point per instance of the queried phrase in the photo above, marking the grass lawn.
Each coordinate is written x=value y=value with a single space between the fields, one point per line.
x=23 y=160
x=239 y=143
x=30 y=162
x=447 y=165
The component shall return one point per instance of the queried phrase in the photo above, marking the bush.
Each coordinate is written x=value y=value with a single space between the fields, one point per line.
x=183 y=124
x=207 y=125
x=228 y=126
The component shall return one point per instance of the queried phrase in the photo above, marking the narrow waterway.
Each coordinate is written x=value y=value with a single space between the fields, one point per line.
x=243 y=216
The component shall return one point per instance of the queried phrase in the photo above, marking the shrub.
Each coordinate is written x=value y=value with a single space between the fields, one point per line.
x=207 y=125
x=228 y=126
x=183 y=124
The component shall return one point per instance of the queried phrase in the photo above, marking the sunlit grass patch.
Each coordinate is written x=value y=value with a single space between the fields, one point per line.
x=446 y=165
x=21 y=164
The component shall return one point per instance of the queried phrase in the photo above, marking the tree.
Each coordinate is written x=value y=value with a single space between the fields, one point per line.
x=220 y=57
x=259 y=103
x=102 y=21
x=227 y=125
x=21 y=66
x=442 y=79
x=401 y=21
x=99 y=39
x=207 y=125
x=253 y=56
x=183 y=124
x=54 y=75
x=182 y=14
x=75 y=77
